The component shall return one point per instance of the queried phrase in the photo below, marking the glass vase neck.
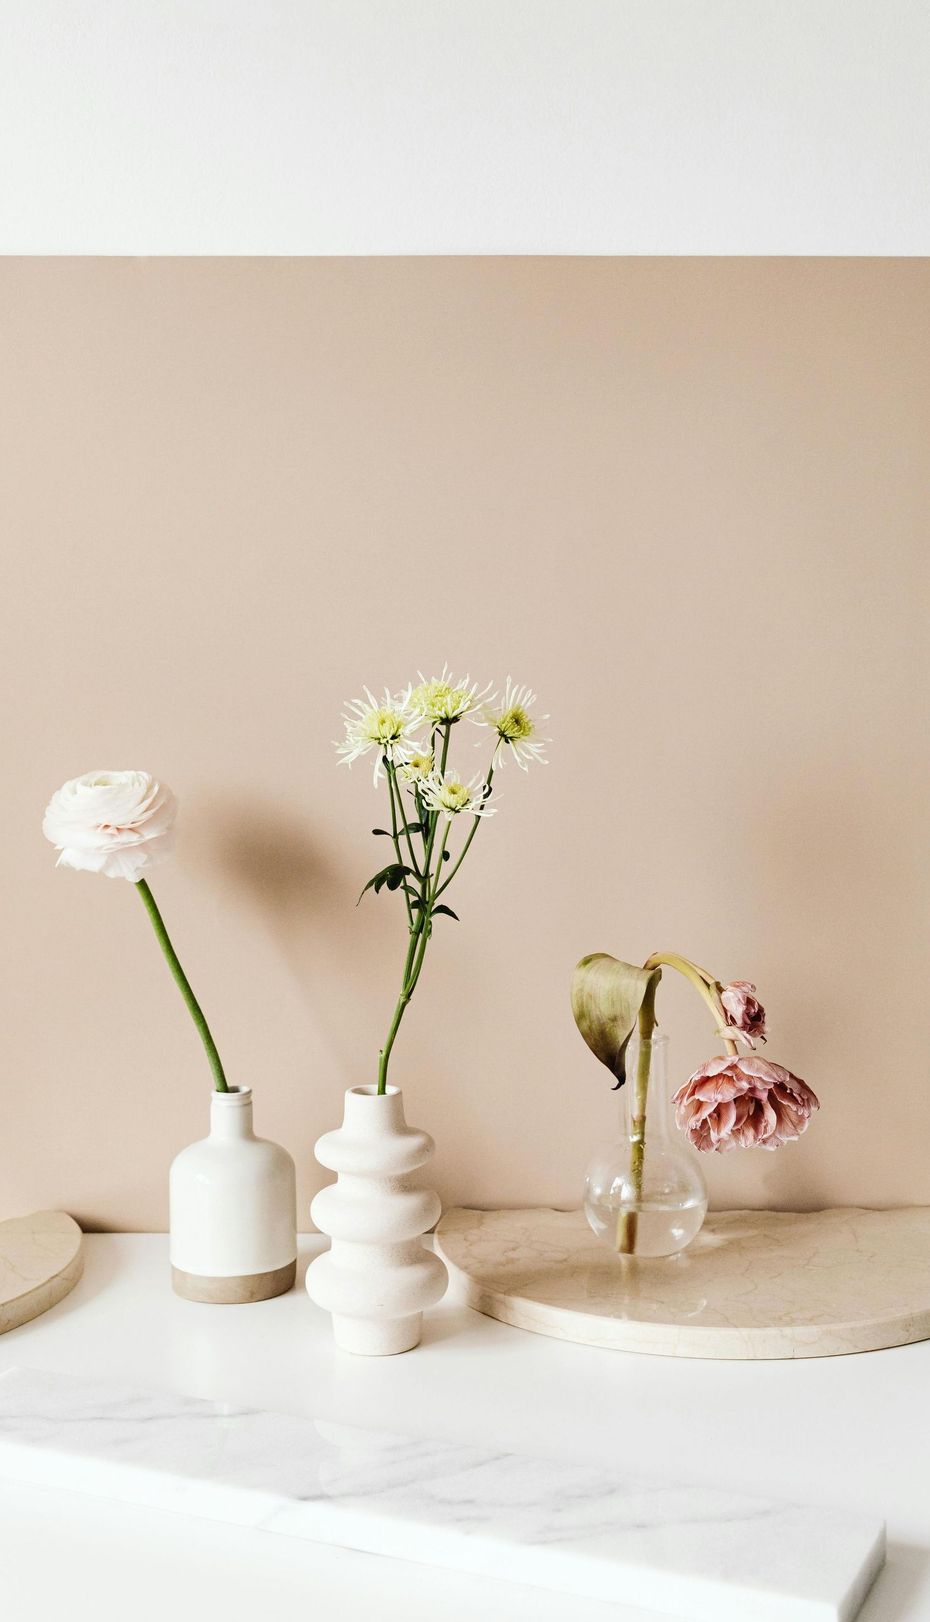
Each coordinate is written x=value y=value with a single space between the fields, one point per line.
x=646 y=1080
x=644 y=1193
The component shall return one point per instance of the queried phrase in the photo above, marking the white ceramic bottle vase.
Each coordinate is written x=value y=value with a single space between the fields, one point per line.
x=233 y=1208
x=377 y=1278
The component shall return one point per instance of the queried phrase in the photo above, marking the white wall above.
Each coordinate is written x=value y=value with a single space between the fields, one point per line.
x=464 y=126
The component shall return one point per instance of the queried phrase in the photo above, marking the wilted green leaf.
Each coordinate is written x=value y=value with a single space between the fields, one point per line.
x=606 y=999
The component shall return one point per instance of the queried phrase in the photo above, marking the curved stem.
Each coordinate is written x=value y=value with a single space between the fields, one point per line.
x=194 y=1008
x=471 y=834
x=703 y=984
x=684 y=964
x=406 y=992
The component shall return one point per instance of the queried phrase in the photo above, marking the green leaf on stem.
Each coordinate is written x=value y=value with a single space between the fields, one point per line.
x=447 y=910
x=606 y=999
x=385 y=831
x=393 y=876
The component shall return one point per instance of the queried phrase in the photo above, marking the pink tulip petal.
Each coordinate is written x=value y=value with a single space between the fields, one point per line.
x=743 y=1101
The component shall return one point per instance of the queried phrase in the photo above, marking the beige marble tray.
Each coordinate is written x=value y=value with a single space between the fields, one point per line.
x=41 y=1259
x=753 y=1283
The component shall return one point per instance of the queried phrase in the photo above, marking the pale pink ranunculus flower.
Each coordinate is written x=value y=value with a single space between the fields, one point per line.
x=743 y=1008
x=743 y=1102
x=116 y=823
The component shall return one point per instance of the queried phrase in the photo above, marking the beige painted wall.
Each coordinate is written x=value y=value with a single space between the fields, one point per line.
x=686 y=499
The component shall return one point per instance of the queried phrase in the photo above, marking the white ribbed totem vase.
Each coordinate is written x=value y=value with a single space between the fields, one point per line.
x=377 y=1278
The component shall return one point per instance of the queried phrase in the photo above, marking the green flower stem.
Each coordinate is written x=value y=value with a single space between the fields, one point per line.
x=416 y=951
x=432 y=898
x=392 y=792
x=194 y=1008
x=406 y=992
x=471 y=834
x=430 y=889
x=403 y=816
x=628 y=1221
x=434 y=815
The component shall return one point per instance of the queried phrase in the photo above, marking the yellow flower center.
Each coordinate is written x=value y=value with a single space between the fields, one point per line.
x=418 y=766
x=383 y=726
x=438 y=701
x=514 y=725
x=454 y=796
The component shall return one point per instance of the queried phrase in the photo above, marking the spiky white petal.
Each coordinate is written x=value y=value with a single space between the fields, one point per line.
x=443 y=698
x=451 y=797
x=385 y=725
x=417 y=768
x=509 y=716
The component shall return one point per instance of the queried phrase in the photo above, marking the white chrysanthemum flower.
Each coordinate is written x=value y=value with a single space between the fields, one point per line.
x=384 y=724
x=516 y=730
x=442 y=698
x=450 y=796
x=417 y=768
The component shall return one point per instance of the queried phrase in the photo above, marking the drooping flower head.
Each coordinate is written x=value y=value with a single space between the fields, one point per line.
x=743 y=1102
x=517 y=730
x=384 y=724
x=442 y=698
x=744 y=1010
x=451 y=797
x=115 y=823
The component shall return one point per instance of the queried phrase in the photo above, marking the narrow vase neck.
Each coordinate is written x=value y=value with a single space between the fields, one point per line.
x=368 y=1111
x=654 y=1079
x=231 y=1114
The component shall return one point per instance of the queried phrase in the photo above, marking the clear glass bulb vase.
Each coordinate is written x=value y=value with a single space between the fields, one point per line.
x=644 y=1195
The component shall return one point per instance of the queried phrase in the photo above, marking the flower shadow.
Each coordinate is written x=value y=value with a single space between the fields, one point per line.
x=304 y=895
x=836 y=844
x=270 y=860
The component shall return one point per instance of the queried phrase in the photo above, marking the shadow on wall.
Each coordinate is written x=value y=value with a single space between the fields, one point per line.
x=844 y=846
x=273 y=861
x=347 y=960
x=305 y=897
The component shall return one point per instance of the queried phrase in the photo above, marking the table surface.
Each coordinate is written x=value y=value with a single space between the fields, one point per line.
x=845 y=1431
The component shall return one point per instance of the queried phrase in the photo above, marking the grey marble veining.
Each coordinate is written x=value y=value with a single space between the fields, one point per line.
x=707 y=1555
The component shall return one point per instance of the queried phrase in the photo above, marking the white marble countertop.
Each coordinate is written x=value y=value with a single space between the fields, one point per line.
x=842 y=1432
